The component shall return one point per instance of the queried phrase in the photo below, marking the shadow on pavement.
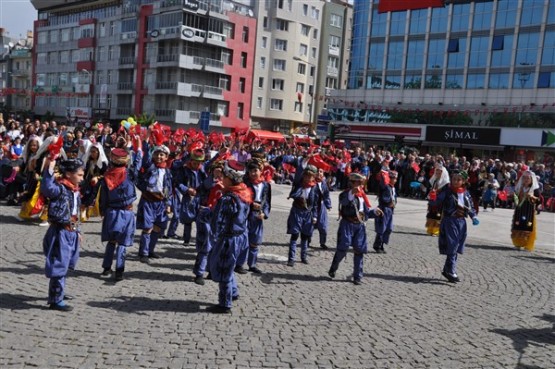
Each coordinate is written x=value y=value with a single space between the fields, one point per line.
x=139 y=303
x=26 y=270
x=536 y=258
x=523 y=337
x=20 y=302
x=490 y=247
x=406 y=279
x=274 y=278
x=423 y=234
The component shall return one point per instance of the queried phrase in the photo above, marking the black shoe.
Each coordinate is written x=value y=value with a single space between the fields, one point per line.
x=451 y=278
x=383 y=251
x=378 y=251
x=199 y=280
x=331 y=273
x=164 y=237
x=255 y=270
x=186 y=243
x=68 y=297
x=217 y=309
x=209 y=276
x=119 y=275
x=106 y=272
x=323 y=247
x=290 y=263
x=144 y=259
x=60 y=307
x=240 y=270
x=357 y=282
x=235 y=298
x=175 y=237
x=154 y=255
x=304 y=261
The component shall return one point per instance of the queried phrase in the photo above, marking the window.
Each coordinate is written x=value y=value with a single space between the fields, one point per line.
x=548 y=53
x=42 y=37
x=453 y=46
x=112 y=28
x=276 y=104
x=527 y=48
x=532 y=13
x=110 y=53
x=398 y=23
x=53 y=36
x=461 y=16
x=260 y=82
x=436 y=53
x=243 y=60
x=375 y=57
x=259 y=103
x=279 y=64
x=478 y=51
x=456 y=59
x=298 y=106
x=282 y=25
x=299 y=87
x=289 y=5
x=102 y=29
x=305 y=30
x=499 y=80
x=245 y=35
x=277 y=84
x=336 y=20
x=87 y=31
x=412 y=82
x=415 y=54
x=65 y=34
x=265 y=22
x=418 y=21
x=482 y=15
x=279 y=4
x=497 y=42
x=280 y=45
x=315 y=13
x=439 y=23
x=41 y=58
x=315 y=34
x=335 y=42
x=240 y=109
x=544 y=80
x=301 y=68
x=313 y=52
x=506 y=14
x=379 y=23
x=64 y=56
x=305 y=10
x=395 y=55
x=75 y=57
x=524 y=80
x=474 y=81
x=303 y=50
x=262 y=62
x=242 y=83
x=264 y=42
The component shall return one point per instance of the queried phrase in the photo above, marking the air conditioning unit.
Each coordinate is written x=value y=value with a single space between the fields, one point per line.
x=163 y=31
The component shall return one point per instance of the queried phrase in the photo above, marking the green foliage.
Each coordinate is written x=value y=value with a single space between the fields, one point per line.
x=523 y=120
x=145 y=119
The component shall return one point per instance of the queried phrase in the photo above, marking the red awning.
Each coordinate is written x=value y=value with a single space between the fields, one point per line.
x=265 y=135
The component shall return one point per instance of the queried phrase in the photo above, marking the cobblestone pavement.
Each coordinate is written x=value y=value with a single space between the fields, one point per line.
x=404 y=315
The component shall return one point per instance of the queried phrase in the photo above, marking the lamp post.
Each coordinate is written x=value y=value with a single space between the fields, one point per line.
x=313 y=87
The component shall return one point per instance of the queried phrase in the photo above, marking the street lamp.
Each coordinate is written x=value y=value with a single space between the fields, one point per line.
x=313 y=87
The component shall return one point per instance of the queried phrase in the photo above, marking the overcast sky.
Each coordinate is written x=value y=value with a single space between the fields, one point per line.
x=17 y=17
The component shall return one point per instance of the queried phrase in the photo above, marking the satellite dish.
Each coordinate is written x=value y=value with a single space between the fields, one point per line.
x=10 y=44
x=250 y=13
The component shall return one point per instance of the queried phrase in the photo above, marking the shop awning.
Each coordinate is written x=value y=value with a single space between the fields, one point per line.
x=265 y=135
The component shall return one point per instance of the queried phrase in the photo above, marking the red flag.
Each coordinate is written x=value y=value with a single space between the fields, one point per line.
x=55 y=147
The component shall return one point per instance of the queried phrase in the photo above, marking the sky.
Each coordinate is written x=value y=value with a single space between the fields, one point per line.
x=17 y=17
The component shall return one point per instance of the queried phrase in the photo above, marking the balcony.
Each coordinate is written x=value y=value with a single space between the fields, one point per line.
x=217 y=39
x=213 y=65
x=333 y=50
x=191 y=62
x=328 y=91
x=170 y=59
x=211 y=92
x=166 y=85
x=125 y=111
x=164 y=113
x=192 y=34
x=333 y=72
x=126 y=86
x=86 y=42
x=189 y=89
x=127 y=60
x=128 y=36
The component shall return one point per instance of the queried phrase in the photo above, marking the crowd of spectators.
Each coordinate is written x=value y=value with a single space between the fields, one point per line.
x=490 y=180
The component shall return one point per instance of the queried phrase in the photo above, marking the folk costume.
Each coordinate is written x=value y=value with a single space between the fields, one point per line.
x=259 y=211
x=387 y=199
x=354 y=210
x=303 y=214
x=523 y=226
x=94 y=170
x=229 y=234
x=456 y=205
x=62 y=239
x=155 y=184
x=439 y=180
x=117 y=194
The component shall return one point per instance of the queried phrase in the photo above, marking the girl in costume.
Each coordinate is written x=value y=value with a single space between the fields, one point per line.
x=439 y=181
x=523 y=226
x=96 y=164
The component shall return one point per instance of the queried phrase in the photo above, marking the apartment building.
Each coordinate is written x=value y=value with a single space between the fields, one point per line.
x=173 y=59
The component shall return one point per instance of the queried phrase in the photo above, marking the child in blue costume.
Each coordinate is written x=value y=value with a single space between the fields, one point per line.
x=387 y=199
x=229 y=233
x=324 y=207
x=62 y=239
x=188 y=183
x=457 y=205
x=117 y=194
x=260 y=210
x=303 y=215
x=354 y=209
x=155 y=183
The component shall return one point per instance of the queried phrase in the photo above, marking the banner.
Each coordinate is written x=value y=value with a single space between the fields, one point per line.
x=400 y=5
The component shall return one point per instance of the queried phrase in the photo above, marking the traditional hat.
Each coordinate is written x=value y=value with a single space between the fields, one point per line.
x=234 y=170
x=70 y=165
x=356 y=177
x=310 y=169
x=119 y=156
x=162 y=148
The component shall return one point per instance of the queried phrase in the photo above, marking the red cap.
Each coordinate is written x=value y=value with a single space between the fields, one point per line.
x=119 y=152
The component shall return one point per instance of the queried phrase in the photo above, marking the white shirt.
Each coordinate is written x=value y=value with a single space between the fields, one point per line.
x=360 y=203
x=258 y=191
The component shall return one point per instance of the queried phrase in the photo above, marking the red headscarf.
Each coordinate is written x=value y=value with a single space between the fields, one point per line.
x=242 y=190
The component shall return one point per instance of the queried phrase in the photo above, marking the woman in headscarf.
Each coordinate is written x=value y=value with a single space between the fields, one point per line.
x=438 y=182
x=527 y=196
x=31 y=167
x=96 y=164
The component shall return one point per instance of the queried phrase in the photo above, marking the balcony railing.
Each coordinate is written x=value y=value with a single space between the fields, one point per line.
x=214 y=63
x=124 y=111
x=166 y=113
x=167 y=58
x=213 y=90
x=166 y=85
x=127 y=60
x=126 y=86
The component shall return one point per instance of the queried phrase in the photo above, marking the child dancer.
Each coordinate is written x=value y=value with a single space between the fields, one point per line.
x=354 y=209
x=117 y=194
x=303 y=215
x=155 y=183
x=387 y=199
x=457 y=205
x=229 y=234
x=62 y=239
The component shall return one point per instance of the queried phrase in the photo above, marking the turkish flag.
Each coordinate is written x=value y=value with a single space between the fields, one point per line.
x=400 y=5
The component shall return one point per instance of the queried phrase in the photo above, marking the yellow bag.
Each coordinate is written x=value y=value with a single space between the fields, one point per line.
x=94 y=211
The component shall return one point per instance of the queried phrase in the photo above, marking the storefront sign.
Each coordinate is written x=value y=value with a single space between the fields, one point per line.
x=75 y=112
x=191 y=5
x=465 y=135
